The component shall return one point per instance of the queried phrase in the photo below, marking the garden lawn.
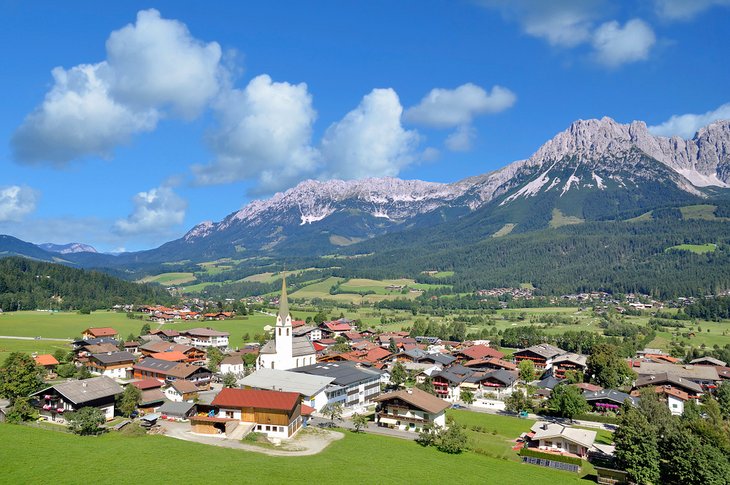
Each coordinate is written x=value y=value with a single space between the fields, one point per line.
x=498 y=433
x=29 y=346
x=32 y=455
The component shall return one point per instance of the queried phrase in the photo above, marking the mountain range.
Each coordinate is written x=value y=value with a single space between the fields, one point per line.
x=596 y=170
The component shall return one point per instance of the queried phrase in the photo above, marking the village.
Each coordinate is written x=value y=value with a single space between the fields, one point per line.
x=192 y=385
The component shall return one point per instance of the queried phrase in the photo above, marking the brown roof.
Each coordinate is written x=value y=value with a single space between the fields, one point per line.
x=254 y=398
x=174 y=356
x=147 y=384
x=101 y=348
x=480 y=352
x=232 y=360
x=184 y=370
x=418 y=398
x=184 y=387
x=101 y=331
x=45 y=359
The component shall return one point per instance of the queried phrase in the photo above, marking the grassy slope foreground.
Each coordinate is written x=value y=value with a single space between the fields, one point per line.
x=30 y=455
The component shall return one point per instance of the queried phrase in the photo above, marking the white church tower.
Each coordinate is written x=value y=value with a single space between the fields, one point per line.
x=283 y=329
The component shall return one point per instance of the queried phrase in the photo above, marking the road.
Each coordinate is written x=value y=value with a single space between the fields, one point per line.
x=15 y=337
x=576 y=422
x=371 y=428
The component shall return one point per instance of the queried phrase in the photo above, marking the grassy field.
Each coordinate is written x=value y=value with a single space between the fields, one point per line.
x=504 y=230
x=559 y=219
x=694 y=248
x=29 y=346
x=33 y=455
x=170 y=279
x=498 y=433
x=700 y=211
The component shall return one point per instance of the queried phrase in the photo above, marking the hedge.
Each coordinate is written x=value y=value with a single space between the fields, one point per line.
x=571 y=460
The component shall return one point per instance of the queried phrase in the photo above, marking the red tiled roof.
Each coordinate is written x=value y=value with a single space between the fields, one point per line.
x=338 y=327
x=307 y=410
x=147 y=384
x=101 y=331
x=45 y=359
x=318 y=346
x=254 y=398
x=173 y=356
x=298 y=323
x=327 y=341
x=480 y=352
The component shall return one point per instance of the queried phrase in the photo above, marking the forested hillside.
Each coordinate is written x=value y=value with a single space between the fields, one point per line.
x=28 y=285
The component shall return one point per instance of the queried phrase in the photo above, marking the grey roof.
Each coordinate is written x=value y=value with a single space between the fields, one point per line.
x=672 y=379
x=549 y=382
x=579 y=359
x=415 y=353
x=344 y=373
x=79 y=392
x=608 y=394
x=711 y=360
x=302 y=346
x=504 y=376
x=98 y=341
x=156 y=364
x=114 y=357
x=287 y=381
x=544 y=430
x=546 y=351
x=283 y=301
x=698 y=372
x=439 y=358
x=303 y=330
x=170 y=408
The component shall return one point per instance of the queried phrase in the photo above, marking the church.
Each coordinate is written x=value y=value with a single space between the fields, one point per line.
x=286 y=351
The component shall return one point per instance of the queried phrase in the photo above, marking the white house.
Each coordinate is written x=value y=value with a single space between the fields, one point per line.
x=181 y=391
x=410 y=410
x=556 y=438
x=286 y=351
x=207 y=337
x=55 y=401
x=232 y=364
x=117 y=365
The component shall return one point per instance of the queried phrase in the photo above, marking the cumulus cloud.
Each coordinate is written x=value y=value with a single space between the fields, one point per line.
x=564 y=23
x=370 y=140
x=685 y=9
x=461 y=139
x=444 y=108
x=155 y=211
x=615 y=45
x=264 y=132
x=16 y=202
x=92 y=108
x=686 y=125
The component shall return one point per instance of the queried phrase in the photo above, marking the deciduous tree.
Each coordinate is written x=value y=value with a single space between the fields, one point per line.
x=20 y=376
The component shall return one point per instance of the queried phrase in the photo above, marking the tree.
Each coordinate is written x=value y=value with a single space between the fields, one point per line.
x=145 y=329
x=607 y=368
x=517 y=402
x=466 y=396
x=66 y=370
x=359 y=421
x=427 y=436
x=693 y=461
x=82 y=373
x=20 y=376
x=215 y=356
x=392 y=347
x=129 y=400
x=574 y=376
x=527 y=370
x=452 y=439
x=21 y=411
x=60 y=355
x=427 y=386
x=723 y=399
x=567 y=401
x=333 y=410
x=637 y=450
x=229 y=379
x=398 y=374
x=131 y=338
x=85 y=421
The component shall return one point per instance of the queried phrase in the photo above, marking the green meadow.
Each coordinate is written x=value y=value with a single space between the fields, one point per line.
x=31 y=455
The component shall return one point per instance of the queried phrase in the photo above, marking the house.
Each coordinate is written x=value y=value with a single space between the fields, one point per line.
x=704 y=375
x=203 y=338
x=438 y=358
x=490 y=363
x=274 y=413
x=167 y=335
x=410 y=410
x=312 y=333
x=478 y=352
x=312 y=388
x=151 y=400
x=286 y=351
x=672 y=380
x=166 y=371
x=172 y=356
x=541 y=355
x=177 y=410
x=353 y=385
x=193 y=355
x=99 y=392
x=132 y=346
x=232 y=364
x=608 y=399
x=569 y=362
x=337 y=327
x=447 y=383
x=557 y=438
x=98 y=332
x=46 y=361
x=181 y=391
x=500 y=381
x=708 y=361
x=675 y=398
x=117 y=365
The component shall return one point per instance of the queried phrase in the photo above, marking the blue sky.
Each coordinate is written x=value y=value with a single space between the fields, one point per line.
x=124 y=123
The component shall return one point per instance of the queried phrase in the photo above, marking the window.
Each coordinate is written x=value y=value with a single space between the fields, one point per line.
x=272 y=364
x=268 y=428
x=287 y=332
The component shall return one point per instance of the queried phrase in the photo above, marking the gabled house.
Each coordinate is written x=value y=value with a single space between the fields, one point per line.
x=47 y=361
x=276 y=414
x=490 y=363
x=337 y=327
x=165 y=371
x=55 y=401
x=410 y=410
x=193 y=355
x=569 y=362
x=608 y=399
x=477 y=352
x=541 y=355
x=232 y=364
x=708 y=361
x=98 y=332
x=664 y=379
x=207 y=337
x=172 y=356
x=112 y=364
x=312 y=388
x=181 y=391
x=560 y=439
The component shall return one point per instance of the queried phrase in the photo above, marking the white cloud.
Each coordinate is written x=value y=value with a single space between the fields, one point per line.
x=615 y=45
x=452 y=107
x=369 y=141
x=93 y=108
x=156 y=62
x=685 y=9
x=686 y=125
x=16 y=202
x=564 y=23
x=264 y=132
x=461 y=139
x=155 y=211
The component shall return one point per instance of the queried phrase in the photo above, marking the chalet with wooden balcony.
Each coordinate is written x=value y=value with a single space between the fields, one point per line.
x=54 y=402
x=410 y=410
x=541 y=355
x=569 y=362
x=117 y=365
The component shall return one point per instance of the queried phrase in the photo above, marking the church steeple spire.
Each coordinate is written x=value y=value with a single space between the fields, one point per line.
x=283 y=301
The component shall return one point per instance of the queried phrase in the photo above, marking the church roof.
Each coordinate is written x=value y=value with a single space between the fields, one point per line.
x=283 y=301
x=302 y=346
